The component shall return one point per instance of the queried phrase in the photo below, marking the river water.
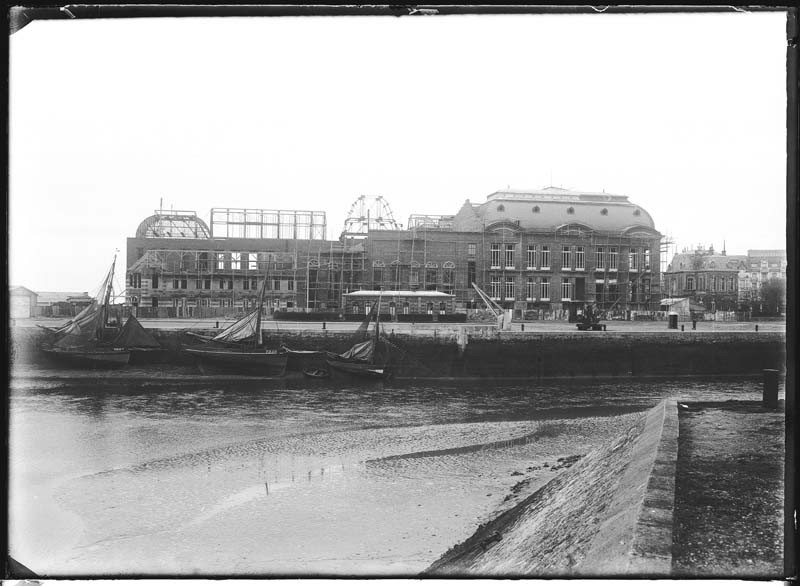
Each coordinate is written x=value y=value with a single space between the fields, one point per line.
x=207 y=478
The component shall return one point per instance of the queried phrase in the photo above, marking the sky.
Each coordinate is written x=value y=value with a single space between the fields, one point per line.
x=684 y=113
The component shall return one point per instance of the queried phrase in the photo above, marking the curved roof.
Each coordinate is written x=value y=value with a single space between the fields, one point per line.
x=173 y=225
x=553 y=207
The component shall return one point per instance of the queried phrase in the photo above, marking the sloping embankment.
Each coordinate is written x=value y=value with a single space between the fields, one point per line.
x=610 y=514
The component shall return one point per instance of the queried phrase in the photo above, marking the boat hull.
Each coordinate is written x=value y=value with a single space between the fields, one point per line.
x=109 y=358
x=241 y=360
x=359 y=369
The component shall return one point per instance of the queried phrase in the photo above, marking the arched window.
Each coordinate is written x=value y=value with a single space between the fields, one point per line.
x=501 y=208
x=637 y=212
x=570 y=210
x=604 y=212
x=536 y=209
x=690 y=283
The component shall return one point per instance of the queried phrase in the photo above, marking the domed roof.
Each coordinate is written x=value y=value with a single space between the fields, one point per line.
x=173 y=224
x=552 y=207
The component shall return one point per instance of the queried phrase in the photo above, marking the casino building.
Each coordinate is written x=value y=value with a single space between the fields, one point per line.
x=544 y=254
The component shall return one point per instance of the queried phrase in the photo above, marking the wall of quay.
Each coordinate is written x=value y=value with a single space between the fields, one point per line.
x=486 y=353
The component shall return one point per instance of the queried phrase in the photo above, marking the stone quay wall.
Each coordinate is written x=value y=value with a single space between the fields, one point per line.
x=486 y=352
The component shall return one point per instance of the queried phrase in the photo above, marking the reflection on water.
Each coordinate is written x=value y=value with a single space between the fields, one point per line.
x=272 y=477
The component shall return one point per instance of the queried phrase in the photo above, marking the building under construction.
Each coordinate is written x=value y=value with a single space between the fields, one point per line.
x=544 y=254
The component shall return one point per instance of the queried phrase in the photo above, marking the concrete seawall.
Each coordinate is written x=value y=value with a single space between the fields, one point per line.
x=532 y=355
x=608 y=515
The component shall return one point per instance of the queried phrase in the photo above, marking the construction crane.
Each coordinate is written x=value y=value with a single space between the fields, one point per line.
x=494 y=307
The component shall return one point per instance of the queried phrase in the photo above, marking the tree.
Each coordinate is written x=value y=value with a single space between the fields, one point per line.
x=773 y=296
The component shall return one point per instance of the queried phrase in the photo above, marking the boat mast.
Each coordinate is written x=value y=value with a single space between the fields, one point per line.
x=106 y=299
x=259 y=339
x=377 y=327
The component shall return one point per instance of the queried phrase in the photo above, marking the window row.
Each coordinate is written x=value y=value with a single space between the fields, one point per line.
x=572 y=257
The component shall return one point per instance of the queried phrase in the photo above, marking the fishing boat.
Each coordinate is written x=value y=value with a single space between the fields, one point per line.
x=144 y=348
x=240 y=346
x=367 y=358
x=80 y=341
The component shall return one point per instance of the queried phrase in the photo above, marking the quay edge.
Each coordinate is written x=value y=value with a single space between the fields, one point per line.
x=536 y=355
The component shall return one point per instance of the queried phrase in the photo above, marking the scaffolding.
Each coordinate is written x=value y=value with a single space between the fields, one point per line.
x=173 y=224
x=268 y=224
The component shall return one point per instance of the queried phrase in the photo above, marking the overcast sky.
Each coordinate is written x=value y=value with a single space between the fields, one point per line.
x=683 y=113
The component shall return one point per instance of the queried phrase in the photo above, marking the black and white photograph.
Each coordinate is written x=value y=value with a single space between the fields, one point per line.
x=400 y=292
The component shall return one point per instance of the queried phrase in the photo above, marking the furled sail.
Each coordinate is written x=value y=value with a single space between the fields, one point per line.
x=242 y=329
x=362 y=351
x=133 y=335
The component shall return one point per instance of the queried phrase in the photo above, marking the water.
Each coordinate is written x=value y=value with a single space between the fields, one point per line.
x=182 y=477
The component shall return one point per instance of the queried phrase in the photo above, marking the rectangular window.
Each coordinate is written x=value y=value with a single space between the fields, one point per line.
x=647 y=259
x=580 y=259
x=600 y=258
x=207 y=284
x=531 y=256
x=252 y=262
x=236 y=261
x=276 y=284
x=230 y=284
x=184 y=283
x=220 y=261
x=254 y=284
x=154 y=302
x=245 y=284
x=198 y=284
x=544 y=289
x=495 y=258
x=496 y=287
x=546 y=257
x=566 y=289
x=431 y=277
x=509 y=256
x=155 y=282
x=530 y=290
x=414 y=277
x=377 y=275
x=509 y=288
x=566 y=258
x=471 y=249
x=221 y=283
x=633 y=259
x=612 y=258
x=470 y=273
x=290 y=285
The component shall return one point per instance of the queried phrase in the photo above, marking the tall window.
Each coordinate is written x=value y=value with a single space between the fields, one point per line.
x=566 y=289
x=496 y=287
x=236 y=260
x=509 y=287
x=600 y=258
x=495 y=259
x=414 y=276
x=431 y=277
x=377 y=275
x=530 y=289
x=633 y=259
x=580 y=258
x=470 y=273
x=471 y=249
x=566 y=258
x=220 y=261
x=646 y=259
x=509 y=256
x=612 y=258
x=544 y=288
x=545 y=257
x=690 y=283
x=531 y=256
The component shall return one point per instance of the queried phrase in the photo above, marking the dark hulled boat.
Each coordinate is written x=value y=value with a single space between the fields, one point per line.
x=79 y=342
x=239 y=347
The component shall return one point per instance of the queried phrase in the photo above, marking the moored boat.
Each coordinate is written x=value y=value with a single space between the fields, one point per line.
x=79 y=342
x=239 y=347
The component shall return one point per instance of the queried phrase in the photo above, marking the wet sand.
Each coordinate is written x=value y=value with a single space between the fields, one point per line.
x=378 y=501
